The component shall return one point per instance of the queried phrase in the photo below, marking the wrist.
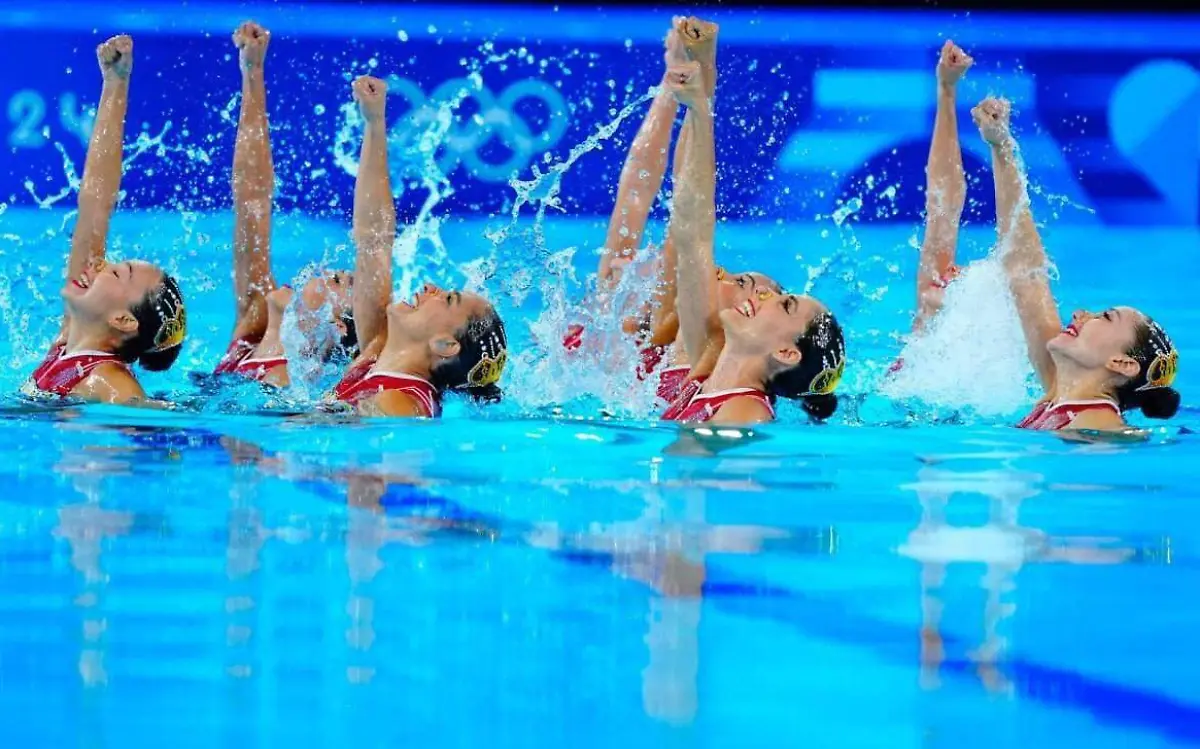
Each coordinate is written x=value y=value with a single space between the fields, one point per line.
x=1005 y=148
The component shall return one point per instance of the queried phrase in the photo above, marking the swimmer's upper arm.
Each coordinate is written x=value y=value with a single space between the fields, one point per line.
x=112 y=383
x=742 y=411
x=392 y=403
x=1099 y=420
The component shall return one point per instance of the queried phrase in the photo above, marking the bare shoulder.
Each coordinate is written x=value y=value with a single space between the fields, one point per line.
x=743 y=410
x=391 y=403
x=1102 y=420
x=111 y=383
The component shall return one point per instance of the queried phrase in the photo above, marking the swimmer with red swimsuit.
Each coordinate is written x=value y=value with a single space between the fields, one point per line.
x=413 y=352
x=772 y=346
x=322 y=305
x=656 y=326
x=115 y=313
x=1098 y=366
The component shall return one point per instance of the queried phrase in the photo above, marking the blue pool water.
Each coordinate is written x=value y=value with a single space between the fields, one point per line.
x=561 y=569
x=527 y=579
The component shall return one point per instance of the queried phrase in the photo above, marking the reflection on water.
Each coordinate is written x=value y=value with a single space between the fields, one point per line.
x=1002 y=546
x=207 y=567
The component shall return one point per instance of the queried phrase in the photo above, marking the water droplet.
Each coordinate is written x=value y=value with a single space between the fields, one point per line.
x=319 y=109
x=402 y=35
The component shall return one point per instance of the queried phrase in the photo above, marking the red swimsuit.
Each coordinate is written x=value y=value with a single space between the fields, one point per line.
x=237 y=361
x=1050 y=417
x=60 y=372
x=693 y=407
x=670 y=380
x=360 y=382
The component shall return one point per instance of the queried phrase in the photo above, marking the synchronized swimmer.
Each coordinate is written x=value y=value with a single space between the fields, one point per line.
x=724 y=346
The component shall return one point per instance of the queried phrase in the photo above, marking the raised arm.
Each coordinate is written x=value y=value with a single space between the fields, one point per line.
x=945 y=188
x=695 y=40
x=641 y=179
x=693 y=216
x=374 y=217
x=1020 y=245
x=253 y=187
x=102 y=171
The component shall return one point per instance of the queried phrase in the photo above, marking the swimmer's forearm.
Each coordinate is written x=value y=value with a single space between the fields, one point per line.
x=641 y=179
x=101 y=177
x=692 y=229
x=374 y=233
x=1020 y=242
x=253 y=169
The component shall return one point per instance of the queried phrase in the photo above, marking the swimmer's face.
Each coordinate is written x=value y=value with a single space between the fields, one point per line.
x=770 y=326
x=324 y=302
x=434 y=314
x=332 y=289
x=1093 y=339
x=111 y=290
x=734 y=289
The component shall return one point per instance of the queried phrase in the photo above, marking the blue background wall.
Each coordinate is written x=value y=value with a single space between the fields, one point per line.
x=814 y=107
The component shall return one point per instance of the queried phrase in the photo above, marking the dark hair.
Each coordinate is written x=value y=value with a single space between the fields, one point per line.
x=822 y=349
x=348 y=344
x=1150 y=390
x=482 y=353
x=162 y=326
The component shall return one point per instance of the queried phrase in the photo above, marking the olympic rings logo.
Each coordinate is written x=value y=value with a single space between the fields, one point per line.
x=465 y=137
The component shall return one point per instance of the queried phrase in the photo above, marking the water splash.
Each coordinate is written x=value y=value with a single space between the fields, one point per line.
x=972 y=354
x=542 y=189
x=602 y=368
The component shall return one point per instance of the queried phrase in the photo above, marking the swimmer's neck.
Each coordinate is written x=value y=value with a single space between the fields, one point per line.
x=404 y=357
x=733 y=372
x=1074 y=384
x=81 y=337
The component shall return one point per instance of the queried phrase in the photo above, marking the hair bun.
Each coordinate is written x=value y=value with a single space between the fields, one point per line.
x=819 y=406
x=159 y=361
x=1159 y=403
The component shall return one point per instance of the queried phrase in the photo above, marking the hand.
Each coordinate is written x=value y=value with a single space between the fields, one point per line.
x=687 y=84
x=371 y=95
x=953 y=64
x=674 y=51
x=251 y=41
x=116 y=58
x=699 y=39
x=991 y=117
